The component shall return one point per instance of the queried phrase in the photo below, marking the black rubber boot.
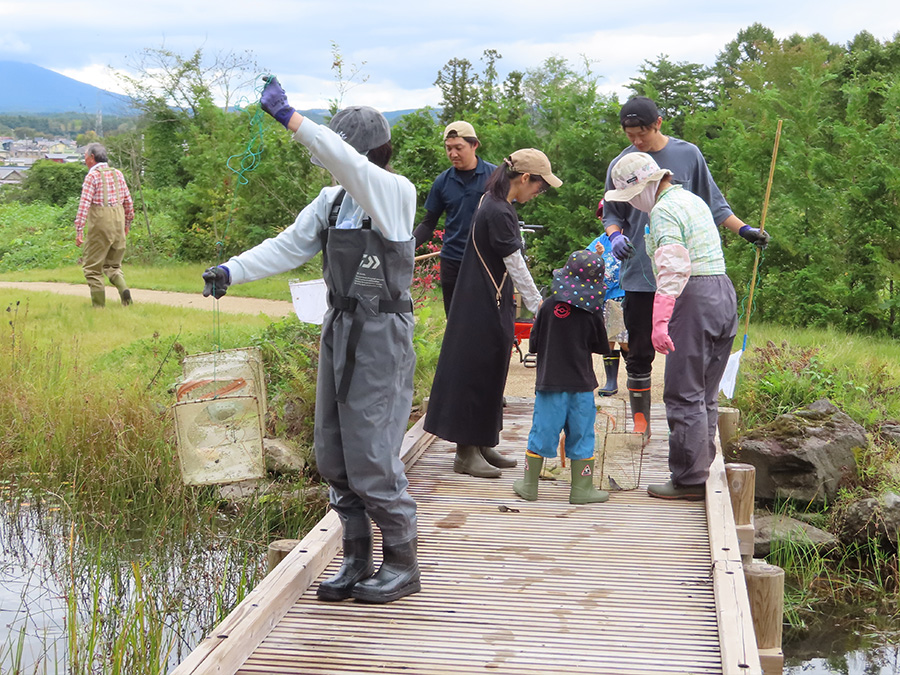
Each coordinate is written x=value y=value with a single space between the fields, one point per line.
x=611 y=366
x=470 y=460
x=494 y=458
x=125 y=297
x=639 y=397
x=397 y=577
x=357 y=565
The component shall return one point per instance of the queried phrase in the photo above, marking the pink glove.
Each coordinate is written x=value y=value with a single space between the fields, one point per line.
x=663 y=306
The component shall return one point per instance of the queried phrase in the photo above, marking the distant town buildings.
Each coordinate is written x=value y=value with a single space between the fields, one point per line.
x=17 y=155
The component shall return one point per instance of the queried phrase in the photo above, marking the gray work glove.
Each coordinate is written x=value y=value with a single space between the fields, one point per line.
x=217 y=279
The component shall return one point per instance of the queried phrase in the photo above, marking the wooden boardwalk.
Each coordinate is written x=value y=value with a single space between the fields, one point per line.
x=635 y=585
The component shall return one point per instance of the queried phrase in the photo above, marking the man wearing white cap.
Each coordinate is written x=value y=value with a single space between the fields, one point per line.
x=625 y=227
x=455 y=193
x=694 y=314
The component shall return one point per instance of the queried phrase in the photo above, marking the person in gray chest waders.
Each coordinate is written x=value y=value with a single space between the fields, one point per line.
x=363 y=227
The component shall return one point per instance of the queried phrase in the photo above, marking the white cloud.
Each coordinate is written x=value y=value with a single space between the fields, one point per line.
x=95 y=74
x=404 y=44
x=11 y=43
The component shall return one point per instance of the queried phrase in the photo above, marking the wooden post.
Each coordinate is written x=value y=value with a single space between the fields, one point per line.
x=279 y=549
x=729 y=421
x=742 y=487
x=765 y=589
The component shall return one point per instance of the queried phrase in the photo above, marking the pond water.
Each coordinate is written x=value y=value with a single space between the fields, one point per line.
x=841 y=644
x=124 y=595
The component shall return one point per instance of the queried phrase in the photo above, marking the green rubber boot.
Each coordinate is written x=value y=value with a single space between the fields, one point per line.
x=583 y=490
x=470 y=460
x=98 y=299
x=527 y=487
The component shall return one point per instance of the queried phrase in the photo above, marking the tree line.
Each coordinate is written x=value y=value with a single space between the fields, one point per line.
x=833 y=214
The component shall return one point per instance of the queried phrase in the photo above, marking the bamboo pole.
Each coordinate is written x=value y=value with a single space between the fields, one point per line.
x=762 y=227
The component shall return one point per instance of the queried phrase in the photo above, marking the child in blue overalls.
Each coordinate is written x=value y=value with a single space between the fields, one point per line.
x=567 y=331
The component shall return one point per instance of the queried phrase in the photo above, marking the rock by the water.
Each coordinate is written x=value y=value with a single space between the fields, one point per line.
x=781 y=529
x=875 y=518
x=806 y=455
x=282 y=458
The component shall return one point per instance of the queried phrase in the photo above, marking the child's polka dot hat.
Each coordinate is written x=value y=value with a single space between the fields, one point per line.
x=580 y=282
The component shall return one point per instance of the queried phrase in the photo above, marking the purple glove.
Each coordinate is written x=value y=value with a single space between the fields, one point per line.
x=274 y=101
x=663 y=306
x=622 y=247
x=217 y=279
x=755 y=235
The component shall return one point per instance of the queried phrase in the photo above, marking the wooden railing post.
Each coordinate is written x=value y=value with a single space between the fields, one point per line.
x=278 y=551
x=742 y=488
x=729 y=422
x=765 y=589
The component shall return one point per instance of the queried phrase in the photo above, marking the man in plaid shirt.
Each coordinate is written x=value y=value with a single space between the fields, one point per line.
x=107 y=211
x=694 y=314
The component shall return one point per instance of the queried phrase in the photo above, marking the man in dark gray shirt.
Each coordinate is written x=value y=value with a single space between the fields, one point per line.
x=625 y=226
x=455 y=192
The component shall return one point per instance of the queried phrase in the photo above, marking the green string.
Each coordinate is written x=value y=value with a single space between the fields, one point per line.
x=240 y=164
x=743 y=303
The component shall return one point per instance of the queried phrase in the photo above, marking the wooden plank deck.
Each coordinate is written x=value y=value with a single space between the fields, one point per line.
x=635 y=585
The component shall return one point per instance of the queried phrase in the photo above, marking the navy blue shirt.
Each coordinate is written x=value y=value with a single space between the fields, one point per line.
x=459 y=199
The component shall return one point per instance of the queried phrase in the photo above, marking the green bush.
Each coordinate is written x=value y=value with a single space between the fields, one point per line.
x=37 y=236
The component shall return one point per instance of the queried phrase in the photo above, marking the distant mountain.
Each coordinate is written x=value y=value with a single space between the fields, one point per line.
x=29 y=89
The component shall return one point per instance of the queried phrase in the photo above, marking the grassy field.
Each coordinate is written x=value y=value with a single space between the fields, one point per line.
x=180 y=277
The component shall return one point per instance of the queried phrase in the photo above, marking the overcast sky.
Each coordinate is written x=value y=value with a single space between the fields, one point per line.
x=401 y=45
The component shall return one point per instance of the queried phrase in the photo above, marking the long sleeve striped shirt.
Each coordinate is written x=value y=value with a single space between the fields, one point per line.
x=92 y=193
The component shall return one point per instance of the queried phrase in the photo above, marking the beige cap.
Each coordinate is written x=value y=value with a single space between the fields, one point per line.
x=632 y=174
x=462 y=129
x=535 y=162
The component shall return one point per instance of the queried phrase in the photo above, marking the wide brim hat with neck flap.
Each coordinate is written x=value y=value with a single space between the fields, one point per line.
x=580 y=282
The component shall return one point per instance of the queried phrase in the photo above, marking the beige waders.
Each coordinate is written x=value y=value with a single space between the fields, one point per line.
x=104 y=247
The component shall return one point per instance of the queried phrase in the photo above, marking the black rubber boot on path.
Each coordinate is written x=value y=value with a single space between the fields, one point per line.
x=357 y=565
x=639 y=397
x=397 y=577
x=611 y=366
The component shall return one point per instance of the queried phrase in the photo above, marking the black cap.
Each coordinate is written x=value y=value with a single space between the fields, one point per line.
x=639 y=111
